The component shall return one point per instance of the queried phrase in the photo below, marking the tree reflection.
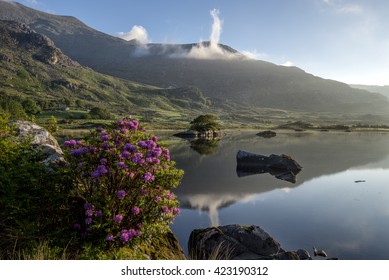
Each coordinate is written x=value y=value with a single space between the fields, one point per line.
x=205 y=146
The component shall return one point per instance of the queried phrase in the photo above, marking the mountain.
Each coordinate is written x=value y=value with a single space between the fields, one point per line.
x=32 y=68
x=229 y=82
x=384 y=90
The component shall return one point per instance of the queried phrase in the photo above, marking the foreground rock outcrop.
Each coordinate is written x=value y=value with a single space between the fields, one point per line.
x=42 y=141
x=282 y=167
x=237 y=242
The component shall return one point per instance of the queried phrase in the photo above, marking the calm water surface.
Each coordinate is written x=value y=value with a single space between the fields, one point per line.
x=326 y=208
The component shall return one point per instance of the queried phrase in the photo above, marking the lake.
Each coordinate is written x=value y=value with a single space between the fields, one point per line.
x=325 y=208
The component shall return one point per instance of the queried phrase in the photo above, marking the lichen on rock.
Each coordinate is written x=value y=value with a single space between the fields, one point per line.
x=42 y=141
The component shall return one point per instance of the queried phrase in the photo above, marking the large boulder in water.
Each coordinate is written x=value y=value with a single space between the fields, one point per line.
x=281 y=166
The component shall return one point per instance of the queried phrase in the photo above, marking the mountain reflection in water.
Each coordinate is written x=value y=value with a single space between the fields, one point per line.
x=211 y=193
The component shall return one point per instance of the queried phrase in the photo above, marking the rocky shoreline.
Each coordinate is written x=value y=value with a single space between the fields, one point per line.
x=237 y=242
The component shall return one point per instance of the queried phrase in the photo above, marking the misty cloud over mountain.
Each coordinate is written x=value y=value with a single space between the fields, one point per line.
x=211 y=49
x=137 y=33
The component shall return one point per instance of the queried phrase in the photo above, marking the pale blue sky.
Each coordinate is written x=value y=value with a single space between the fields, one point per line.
x=345 y=40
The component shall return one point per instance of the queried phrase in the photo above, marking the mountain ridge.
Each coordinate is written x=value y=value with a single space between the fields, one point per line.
x=384 y=90
x=33 y=69
x=248 y=83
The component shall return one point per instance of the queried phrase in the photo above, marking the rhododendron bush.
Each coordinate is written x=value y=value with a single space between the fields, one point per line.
x=123 y=180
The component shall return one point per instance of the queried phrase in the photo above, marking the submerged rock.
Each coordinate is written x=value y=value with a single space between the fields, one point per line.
x=236 y=242
x=282 y=167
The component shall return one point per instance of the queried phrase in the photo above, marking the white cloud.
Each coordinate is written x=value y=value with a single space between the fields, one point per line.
x=213 y=49
x=254 y=54
x=287 y=64
x=202 y=50
x=216 y=27
x=328 y=2
x=342 y=8
x=350 y=9
x=32 y=1
x=137 y=32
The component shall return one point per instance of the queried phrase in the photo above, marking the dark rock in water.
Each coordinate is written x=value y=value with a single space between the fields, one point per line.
x=267 y=134
x=236 y=242
x=282 y=167
x=359 y=181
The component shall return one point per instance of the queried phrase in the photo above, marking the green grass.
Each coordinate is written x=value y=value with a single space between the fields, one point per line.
x=61 y=115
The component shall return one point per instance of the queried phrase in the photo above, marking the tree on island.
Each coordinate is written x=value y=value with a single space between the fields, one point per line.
x=205 y=123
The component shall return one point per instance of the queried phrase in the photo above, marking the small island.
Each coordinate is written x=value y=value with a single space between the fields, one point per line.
x=203 y=127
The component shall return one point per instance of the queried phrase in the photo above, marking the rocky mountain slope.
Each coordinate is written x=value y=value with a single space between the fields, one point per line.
x=229 y=82
x=32 y=67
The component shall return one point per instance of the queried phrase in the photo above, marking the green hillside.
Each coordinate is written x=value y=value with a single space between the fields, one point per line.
x=240 y=82
x=33 y=70
x=241 y=92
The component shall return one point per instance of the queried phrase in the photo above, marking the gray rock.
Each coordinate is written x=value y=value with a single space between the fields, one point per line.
x=303 y=254
x=236 y=242
x=281 y=166
x=42 y=141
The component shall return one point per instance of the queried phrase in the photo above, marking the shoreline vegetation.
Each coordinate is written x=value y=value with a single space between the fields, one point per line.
x=73 y=120
x=66 y=132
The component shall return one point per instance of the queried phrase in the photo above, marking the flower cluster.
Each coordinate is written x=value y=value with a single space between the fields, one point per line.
x=126 y=177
